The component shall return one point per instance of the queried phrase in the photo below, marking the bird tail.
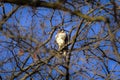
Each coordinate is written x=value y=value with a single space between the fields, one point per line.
x=64 y=52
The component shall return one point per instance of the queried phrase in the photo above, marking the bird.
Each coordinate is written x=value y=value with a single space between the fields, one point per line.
x=61 y=39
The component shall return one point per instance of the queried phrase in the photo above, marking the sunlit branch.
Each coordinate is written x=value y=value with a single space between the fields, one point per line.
x=55 y=6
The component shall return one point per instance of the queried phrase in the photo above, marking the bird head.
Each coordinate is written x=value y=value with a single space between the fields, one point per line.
x=62 y=30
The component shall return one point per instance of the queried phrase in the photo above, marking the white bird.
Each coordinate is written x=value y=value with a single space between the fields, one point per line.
x=61 y=40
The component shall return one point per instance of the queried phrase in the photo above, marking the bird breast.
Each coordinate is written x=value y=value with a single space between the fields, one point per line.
x=60 y=41
x=62 y=36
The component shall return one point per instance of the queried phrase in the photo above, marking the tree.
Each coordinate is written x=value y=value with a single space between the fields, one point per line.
x=27 y=43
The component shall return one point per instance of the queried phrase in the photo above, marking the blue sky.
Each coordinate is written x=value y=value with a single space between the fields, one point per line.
x=28 y=19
